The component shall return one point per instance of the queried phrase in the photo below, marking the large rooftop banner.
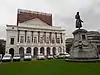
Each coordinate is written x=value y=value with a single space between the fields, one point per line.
x=25 y=15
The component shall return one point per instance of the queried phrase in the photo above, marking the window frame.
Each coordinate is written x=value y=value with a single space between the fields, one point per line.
x=12 y=40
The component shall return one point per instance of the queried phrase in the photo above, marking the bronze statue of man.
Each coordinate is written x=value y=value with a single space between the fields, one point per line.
x=78 y=21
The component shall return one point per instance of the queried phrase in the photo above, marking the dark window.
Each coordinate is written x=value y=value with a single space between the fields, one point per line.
x=25 y=35
x=22 y=39
x=83 y=37
x=61 y=37
x=32 y=36
x=56 y=37
x=38 y=36
x=35 y=39
x=50 y=36
x=12 y=41
x=28 y=40
x=18 y=34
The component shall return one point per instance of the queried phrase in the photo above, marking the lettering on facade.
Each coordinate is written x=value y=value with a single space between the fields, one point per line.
x=35 y=12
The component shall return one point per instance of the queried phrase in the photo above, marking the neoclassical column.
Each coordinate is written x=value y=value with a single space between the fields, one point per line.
x=38 y=50
x=32 y=48
x=45 y=51
x=51 y=51
x=25 y=50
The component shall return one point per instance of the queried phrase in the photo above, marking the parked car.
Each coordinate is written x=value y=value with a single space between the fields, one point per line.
x=0 y=57
x=50 y=57
x=41 y=57
x=63 y=55
x=55 y=56
x=67 y=55
x=6 y=57
x=16 y=57
x=27 y=56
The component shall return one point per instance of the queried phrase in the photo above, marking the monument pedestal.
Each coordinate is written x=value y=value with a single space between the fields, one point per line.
x=81 y=48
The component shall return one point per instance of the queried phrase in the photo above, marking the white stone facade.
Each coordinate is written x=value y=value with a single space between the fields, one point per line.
x=35 y=37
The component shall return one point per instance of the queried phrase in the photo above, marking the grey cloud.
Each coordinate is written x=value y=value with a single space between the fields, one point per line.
x=63 y=12
x=91 y=16
x=89 y=11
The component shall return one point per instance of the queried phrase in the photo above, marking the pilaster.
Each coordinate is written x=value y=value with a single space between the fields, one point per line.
x=32 y=50
x=38 y=50
x=25 y=50
x=51 y=51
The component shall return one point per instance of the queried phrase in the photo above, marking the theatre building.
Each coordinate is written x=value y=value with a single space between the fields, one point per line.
x=35 y=34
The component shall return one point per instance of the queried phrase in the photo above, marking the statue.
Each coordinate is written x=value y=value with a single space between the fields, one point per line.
x=78 y=21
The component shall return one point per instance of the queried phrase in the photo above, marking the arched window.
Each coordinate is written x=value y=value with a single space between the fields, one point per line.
x=11 y=51
x=54 y=51
x=48 y=50
x=35 y=51
x=42 y=50
x=28 y=50
x=21 y=52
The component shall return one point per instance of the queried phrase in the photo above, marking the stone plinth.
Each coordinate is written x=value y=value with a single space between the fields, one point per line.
x=81 y=48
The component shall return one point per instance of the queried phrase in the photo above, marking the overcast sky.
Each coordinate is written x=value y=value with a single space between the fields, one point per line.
x=63 y=12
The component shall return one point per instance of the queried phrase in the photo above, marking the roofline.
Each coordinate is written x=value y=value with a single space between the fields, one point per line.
x=36 y=28
x=31 y=11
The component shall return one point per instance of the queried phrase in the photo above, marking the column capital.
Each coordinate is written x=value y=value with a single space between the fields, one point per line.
x=51 y=47
x=45 y=47
x=39 y=47
x=32 y=47
x=25 y=47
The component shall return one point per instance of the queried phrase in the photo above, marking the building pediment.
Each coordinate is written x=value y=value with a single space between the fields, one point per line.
x=35 y=22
